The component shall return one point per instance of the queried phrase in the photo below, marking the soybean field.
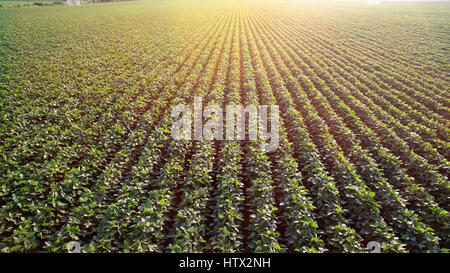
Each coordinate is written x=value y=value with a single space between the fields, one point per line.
x=87 y=154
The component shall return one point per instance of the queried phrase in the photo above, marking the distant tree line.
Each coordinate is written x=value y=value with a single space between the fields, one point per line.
x=100 y=1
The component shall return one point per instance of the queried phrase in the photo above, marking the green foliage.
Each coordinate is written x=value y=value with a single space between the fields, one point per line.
x=86 y=152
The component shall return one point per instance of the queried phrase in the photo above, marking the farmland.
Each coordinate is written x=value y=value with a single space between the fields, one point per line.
x=24 y=3
x=86 y=152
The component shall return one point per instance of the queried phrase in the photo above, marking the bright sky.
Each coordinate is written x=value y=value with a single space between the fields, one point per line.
x=390 y=0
